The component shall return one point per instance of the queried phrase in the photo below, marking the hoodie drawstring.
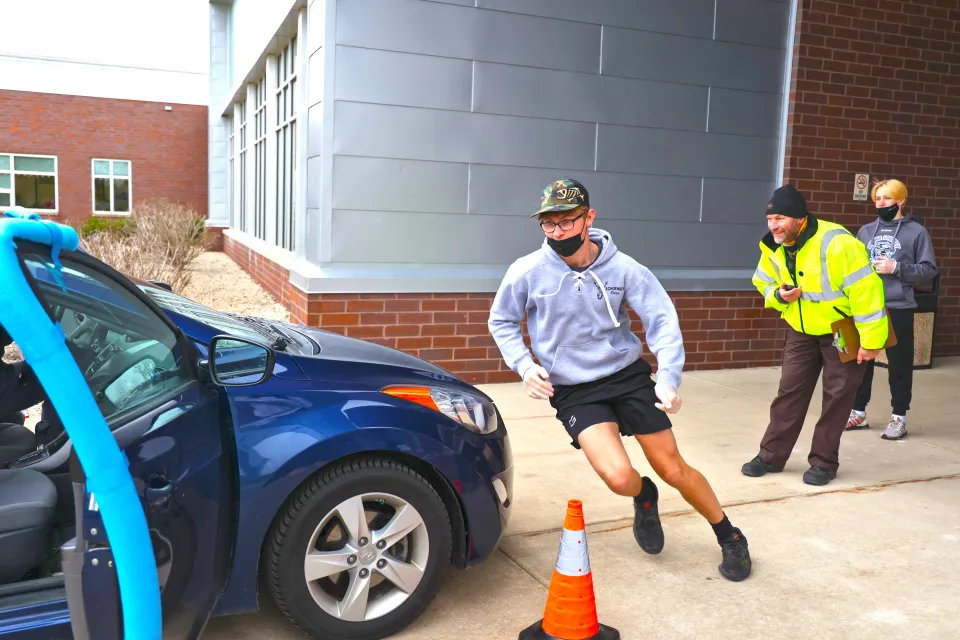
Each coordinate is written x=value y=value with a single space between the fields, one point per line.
x=577 y=276
x=613 y=316
x=578 y=281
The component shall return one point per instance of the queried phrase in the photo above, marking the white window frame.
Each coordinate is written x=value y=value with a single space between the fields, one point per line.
x=12 y=171
x=231 y=173
x=111 y=178
x=260 y=160
x=285 y=132
x=243 y=155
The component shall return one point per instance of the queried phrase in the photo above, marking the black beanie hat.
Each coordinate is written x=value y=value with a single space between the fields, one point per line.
x=787 y=201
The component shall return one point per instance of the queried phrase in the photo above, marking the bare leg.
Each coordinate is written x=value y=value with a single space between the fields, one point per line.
x=663 y=455
x=604 y=449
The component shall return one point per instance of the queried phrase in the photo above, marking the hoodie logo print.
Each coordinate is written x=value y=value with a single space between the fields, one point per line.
x=616 y=291
x=885 y=246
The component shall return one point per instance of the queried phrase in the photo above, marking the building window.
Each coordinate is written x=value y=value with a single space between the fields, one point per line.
x=231 y=176
x=260 y=162
x=242 y=209
x=111 y=186
x=28 y=181
x=286 y=133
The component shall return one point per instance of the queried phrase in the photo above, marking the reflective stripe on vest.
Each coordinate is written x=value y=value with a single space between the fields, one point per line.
x=870 y=317
x=760 y=275
x=775 y=268
x=857 y=276
x=827 y=293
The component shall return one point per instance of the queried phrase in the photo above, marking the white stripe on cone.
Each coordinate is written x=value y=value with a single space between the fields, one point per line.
x=573 y=558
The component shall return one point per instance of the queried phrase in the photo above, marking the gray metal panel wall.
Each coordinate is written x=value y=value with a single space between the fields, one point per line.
x=450 y=118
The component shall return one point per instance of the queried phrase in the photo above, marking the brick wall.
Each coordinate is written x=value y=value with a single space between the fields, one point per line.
x=721 y=329
x=168 y=149
x=876 y=89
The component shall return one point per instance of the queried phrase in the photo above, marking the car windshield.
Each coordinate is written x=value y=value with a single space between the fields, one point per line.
x=184 y=306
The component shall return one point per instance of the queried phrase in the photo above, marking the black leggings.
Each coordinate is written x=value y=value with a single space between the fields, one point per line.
x=899 y=366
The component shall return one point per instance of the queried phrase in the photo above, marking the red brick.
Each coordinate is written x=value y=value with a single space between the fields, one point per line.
x=339 y=319
x=402 y=305
x=471 y=329
x=365 y=305
x=449 y=342
x=363 y=331
x=405 y=344
x=438 y=305
x=402 y=330
x=481 y=341
x=439 y=330
x=378 y=318
x=470 y=354
x=474 y=304
x=452 y=318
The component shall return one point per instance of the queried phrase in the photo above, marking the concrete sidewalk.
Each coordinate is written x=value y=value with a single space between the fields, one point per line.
x=875 y=553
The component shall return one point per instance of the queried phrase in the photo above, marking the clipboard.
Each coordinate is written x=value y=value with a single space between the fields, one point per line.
x=846 y=338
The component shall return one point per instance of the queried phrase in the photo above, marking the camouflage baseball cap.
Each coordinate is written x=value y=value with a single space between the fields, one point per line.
x=562 y=195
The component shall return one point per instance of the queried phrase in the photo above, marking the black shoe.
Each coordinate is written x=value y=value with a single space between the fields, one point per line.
x=818 y=475
x=758 y=467
x=736 y=563
x=647 y=530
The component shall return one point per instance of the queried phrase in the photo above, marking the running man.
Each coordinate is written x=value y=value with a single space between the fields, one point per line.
x=574 y=291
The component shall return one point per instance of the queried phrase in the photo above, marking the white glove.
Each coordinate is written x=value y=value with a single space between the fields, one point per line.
x=536 y=382
x=669 y=398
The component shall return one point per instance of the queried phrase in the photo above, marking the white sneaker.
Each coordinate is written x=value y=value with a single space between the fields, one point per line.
x=856 y=421
x=896 y=429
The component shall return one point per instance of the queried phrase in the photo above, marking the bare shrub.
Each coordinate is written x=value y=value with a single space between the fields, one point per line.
x=157 y=242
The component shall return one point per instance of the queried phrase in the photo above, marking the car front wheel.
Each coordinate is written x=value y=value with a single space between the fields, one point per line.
x=359 y=551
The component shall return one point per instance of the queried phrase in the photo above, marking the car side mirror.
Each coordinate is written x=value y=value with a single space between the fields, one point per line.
x=237 y=362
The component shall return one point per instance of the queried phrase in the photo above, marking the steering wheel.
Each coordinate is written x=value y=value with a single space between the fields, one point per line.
x=103 y=357
x=87 y=325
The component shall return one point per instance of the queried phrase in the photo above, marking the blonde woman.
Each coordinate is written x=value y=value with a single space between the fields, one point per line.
x=902 y=254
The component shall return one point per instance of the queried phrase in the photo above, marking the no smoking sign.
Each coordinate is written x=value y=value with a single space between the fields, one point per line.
x=860 y=187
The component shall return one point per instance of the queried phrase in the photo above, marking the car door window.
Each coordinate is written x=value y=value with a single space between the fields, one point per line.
x=128 y=355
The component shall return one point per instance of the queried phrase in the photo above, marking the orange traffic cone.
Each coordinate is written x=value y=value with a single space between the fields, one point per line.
x=571 y=612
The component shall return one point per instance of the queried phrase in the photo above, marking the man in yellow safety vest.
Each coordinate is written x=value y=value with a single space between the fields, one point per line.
x=814 y=272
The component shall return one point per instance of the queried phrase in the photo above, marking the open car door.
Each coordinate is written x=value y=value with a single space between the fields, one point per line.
x=168 y=415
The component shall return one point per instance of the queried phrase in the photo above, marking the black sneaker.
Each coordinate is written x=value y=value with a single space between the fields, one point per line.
x=736 y=563
x=647 y=530
x=818 y=475
x=758 y=467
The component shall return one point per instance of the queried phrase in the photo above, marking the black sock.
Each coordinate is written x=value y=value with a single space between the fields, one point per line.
x=648 y=493
x=723 y=529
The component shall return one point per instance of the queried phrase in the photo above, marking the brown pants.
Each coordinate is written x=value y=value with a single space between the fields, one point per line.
x=803 y=358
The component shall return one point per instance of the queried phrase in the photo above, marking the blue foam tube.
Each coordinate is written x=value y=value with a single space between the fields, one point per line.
x=44 y=348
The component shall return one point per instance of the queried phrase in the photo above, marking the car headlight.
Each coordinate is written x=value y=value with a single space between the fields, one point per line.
x=473 y=412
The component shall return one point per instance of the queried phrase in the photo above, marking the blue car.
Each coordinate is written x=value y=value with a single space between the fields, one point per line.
x=336 y=476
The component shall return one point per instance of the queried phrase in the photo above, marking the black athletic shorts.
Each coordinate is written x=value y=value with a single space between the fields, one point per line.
x=625 y=397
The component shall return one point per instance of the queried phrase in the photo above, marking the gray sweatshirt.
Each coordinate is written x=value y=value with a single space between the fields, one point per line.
x=578 y=321
x=906 y=241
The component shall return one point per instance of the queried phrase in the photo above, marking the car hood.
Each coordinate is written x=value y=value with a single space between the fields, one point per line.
x=334 y=346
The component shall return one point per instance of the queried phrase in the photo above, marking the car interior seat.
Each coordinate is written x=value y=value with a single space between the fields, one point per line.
x=15 y=441
x=28 y=503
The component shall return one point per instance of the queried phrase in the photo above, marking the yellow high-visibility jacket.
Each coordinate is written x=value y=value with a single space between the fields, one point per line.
x=834 y=273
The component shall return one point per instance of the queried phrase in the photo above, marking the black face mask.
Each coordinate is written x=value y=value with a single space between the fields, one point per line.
x=888 y=213
x=568 y=246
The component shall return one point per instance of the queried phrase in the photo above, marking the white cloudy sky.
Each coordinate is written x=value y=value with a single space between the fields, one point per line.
x=163 y=34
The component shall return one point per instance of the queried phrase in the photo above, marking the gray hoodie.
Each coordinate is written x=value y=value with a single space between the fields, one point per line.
x=578 y=321
x=906 y=241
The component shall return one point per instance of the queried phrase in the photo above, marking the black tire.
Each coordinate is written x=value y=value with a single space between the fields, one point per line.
x=291 y=532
